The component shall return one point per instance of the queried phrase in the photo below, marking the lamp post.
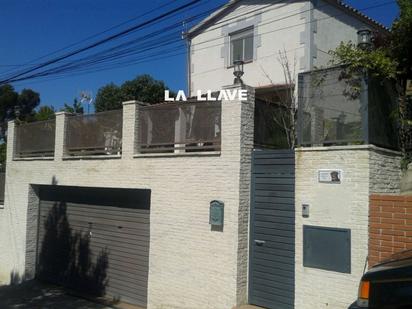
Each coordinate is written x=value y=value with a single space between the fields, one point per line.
x=17 y=112
x=365 y=39
x=238 y=72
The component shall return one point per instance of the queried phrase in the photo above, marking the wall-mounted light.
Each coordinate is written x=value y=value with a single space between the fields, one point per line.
x=238 y=71
x=365 y=39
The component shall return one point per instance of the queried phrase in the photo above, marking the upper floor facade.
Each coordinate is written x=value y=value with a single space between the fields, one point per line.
x=257 y=31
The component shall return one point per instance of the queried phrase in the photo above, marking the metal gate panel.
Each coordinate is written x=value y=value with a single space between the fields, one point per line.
x=272 y=236
x=97 y=249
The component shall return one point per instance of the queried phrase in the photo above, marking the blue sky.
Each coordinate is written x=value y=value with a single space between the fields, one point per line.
x=31 y=29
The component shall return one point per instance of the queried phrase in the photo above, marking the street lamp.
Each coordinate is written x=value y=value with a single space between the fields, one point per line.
x=238 y=71
x=365 y=39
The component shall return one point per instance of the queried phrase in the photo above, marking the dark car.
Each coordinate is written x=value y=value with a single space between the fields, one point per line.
x=387 y=285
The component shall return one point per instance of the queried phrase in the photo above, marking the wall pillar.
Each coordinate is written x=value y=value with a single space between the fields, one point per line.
x=239 y=115
x=11 y=141
x=130 y=127
x=60 y=137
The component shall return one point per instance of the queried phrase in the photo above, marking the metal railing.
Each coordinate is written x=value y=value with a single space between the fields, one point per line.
x=35 y=139
x=96 y=134
x=179 y=127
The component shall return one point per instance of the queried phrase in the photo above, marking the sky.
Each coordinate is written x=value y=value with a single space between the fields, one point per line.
x=32 y=29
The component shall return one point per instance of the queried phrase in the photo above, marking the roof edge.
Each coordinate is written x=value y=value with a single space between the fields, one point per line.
x=192 y=32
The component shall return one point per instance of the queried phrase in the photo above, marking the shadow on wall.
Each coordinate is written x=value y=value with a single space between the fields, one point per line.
x=65 y=256
x=16 y=278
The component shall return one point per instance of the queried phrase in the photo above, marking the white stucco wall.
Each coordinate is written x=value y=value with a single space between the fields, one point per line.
x=333 y=26
x=272 y=34
x=307 y=30
x=191 y=266
x=365 y=170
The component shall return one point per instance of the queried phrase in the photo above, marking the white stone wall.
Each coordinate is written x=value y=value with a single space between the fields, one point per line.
x=385 y=171
x=365 y=170
x=191 y=266
x=342 y=205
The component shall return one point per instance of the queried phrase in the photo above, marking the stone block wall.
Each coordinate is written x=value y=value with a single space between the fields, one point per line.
x=190 y=264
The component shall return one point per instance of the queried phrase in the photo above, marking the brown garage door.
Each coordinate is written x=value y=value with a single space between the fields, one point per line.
x=95 y=240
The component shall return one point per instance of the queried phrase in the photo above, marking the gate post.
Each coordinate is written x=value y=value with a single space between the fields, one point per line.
x=237 y=141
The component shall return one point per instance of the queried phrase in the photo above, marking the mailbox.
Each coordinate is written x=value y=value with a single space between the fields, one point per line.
x=216 y=213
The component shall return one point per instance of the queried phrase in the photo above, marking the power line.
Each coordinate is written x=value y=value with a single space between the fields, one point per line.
x=89 y=37
x=216 y=23
x=105 y=40
x=138 y=40
x=216 y=38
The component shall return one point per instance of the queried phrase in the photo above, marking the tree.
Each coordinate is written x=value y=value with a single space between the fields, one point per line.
x=44 y=113
x=8 y=101
x=277 y=117
x=108 y=97
x=27 y=101
x=143 y=88
x=13 y=104
x=401 y=39
x=76 y=108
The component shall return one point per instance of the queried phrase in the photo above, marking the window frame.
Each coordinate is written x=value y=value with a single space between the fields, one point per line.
x=242 y=35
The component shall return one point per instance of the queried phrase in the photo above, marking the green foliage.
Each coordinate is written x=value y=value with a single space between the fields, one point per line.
x=44 y=113
x=391 y=60
x=11 y=102
x=377 y=61
x=143 y=88
x=108 y=97
x=76 y=108
x=401 y=39
x=27 y=101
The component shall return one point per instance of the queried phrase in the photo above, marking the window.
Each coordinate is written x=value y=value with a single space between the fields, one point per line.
x=241 y=45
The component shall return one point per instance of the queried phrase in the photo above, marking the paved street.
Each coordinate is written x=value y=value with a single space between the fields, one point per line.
x=34 y=295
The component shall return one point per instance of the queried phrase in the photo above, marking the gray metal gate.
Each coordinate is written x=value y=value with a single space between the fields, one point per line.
x=272 y=236
x=95 y=241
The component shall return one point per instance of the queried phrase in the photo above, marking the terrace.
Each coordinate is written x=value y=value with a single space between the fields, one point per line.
x=330 y=114
x=167 y=128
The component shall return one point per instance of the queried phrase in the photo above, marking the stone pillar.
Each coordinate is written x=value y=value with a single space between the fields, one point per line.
x=60 y=137
x=238 y=116
x=180 y=131
x=129 y=131
x=11 y=141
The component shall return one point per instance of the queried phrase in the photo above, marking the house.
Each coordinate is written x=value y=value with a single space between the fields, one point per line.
x=181 y=205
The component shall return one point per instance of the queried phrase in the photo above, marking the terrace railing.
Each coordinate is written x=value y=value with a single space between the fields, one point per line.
x=179 y=127
x=35 y=139
x=96 y=134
